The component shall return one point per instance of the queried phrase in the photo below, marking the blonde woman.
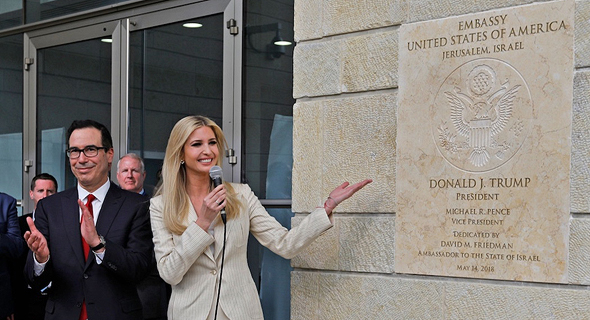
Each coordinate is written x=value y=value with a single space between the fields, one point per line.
x=189 y=233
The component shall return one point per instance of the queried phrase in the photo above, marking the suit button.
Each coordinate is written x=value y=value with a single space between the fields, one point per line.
x=79 y=305
x=214 y=272
x=85 y=276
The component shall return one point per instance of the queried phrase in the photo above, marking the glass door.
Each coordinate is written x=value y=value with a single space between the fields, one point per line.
x=175 y=69
x=74 y=82
x=11 y=121
x=68 y=76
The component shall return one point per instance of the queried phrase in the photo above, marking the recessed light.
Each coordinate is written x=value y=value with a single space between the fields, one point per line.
x=192 y=25
x=283 y=43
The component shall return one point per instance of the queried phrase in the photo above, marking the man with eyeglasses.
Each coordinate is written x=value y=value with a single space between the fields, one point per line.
x=93 y=241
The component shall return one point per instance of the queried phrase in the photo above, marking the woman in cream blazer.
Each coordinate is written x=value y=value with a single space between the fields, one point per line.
x=189 y=232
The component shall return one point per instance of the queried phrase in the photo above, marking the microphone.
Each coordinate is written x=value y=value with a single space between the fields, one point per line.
x=216 y=173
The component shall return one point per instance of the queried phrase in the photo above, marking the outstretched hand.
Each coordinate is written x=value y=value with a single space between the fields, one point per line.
x=343 y=192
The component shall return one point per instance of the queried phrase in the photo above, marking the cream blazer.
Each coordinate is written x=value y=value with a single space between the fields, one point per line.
x=187 y=262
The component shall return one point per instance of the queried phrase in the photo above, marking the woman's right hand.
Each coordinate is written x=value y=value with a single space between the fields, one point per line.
x=212 y=205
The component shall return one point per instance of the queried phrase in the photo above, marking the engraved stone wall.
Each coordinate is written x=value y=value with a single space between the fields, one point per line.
x=582 y=28
x=348 y=273
x=580 y=188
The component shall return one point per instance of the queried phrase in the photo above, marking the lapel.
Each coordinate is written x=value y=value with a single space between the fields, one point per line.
x=192 y=216
x=219 y=234
x=70 y=214
x=110 y=208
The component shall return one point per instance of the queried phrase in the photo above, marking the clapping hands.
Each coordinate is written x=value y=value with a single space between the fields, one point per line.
x=36 y=242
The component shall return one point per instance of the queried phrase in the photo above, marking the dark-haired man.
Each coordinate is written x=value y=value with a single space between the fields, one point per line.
x=93 y=241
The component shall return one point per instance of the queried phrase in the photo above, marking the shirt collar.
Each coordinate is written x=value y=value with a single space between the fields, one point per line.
x=99 y=193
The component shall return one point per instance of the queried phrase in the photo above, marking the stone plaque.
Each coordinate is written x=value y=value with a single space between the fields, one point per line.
x=484 y=143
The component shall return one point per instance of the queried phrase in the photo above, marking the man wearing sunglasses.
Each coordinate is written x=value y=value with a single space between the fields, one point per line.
x=93 y=241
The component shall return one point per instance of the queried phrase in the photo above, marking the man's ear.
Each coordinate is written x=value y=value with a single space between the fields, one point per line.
x=110 y=153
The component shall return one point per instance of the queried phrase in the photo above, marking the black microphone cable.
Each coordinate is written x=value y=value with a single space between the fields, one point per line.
x=221 y=268
x=215 y=173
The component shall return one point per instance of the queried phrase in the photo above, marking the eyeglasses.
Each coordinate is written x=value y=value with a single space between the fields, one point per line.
x=89 y=151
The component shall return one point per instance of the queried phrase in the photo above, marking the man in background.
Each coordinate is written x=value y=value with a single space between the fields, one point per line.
x=42 y=185
x=29 y=303
x=153 y=291
x=131 y=174
x=11 y=247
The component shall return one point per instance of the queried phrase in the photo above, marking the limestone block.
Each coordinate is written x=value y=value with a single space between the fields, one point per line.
x=419 y=10
x=304 y=292
x=308 y=19
x=345 y=16
x=580 y=163
x=367 y=243
x=346 y=296
x=370 y=62
x=360 y=143
x=465 y=300
x=579 y=248
x=354 y=296
x=345 y=139
x=323 y=253
x=363 y=244
x=316 y=68
x=308 y=151
x=581 y=31
x=317 y=19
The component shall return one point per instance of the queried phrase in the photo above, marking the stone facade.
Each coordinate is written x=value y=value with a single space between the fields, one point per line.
x=345 y=122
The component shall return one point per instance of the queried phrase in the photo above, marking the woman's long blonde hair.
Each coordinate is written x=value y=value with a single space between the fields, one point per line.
x=173 y=188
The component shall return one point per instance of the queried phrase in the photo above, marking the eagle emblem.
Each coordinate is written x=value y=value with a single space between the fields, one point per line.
x=479 y=114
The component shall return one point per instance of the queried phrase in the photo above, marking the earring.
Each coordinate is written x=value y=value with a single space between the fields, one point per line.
x=181 y=162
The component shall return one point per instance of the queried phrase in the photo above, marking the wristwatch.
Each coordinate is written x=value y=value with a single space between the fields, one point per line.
x=100 y=245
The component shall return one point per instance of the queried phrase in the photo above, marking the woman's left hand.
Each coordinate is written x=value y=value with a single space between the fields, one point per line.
x=343 y=192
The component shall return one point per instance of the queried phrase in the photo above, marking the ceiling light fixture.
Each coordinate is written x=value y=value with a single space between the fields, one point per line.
x=192 y=25
x=276 y=48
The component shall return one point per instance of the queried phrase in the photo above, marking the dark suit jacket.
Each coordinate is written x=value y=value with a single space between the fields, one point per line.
x=11 y=246
x=153 y=292
x=29 y=304
x=148 y=191
x=109 y=288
